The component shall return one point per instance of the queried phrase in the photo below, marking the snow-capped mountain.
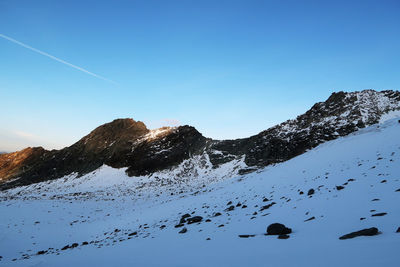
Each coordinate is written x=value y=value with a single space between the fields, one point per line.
x=106 y=218
x=183 y=151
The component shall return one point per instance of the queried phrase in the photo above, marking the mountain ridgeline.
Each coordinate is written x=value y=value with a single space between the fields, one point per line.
x=128 y=143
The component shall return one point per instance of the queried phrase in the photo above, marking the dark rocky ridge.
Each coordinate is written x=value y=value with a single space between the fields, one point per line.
x=341 y=114
x=127 y=143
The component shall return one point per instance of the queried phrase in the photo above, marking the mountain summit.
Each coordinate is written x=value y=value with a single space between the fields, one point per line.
x=128 y=143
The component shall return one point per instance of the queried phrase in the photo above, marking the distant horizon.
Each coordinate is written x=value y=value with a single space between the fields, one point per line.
x=228 y=68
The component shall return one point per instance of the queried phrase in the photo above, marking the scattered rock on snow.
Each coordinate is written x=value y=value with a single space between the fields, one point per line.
x=230 y=208
x=194 y=219
x=267 y=206
x=311 y=192
x=246 y=236
x=184 y=230
x=365 y=232
x=310 y=219
x=187 y=215
x=379 y=214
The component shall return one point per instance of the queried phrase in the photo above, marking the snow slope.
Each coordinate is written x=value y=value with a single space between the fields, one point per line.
x=105 y=207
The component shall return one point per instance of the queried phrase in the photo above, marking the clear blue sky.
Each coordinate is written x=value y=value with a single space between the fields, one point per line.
x=229 y=68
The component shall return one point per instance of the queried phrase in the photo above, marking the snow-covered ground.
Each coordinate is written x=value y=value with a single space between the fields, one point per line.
x=106 y=208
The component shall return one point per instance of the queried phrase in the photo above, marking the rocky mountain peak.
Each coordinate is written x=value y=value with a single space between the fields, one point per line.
x=128 y=143
x=119 y=131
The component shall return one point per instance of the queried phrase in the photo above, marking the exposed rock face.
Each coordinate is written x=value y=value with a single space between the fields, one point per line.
x=107 y=143
x=169 y=149
x=128 y=143
x=341 y=114
x=120 y=143
x=15 y=164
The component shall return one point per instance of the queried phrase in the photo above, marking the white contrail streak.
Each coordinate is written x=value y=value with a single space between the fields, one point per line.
x=55 y=58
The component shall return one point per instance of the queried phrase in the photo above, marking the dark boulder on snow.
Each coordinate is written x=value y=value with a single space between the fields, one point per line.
x=194 y=219
x=311 y=192
x=398 y=230
x=339 y=187
x=365 y=232
x=184 y=230
x=278 y=229
x=230 y=208
x=379 y=214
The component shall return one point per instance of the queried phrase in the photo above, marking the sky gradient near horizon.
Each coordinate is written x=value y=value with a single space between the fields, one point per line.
x=228 y=68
